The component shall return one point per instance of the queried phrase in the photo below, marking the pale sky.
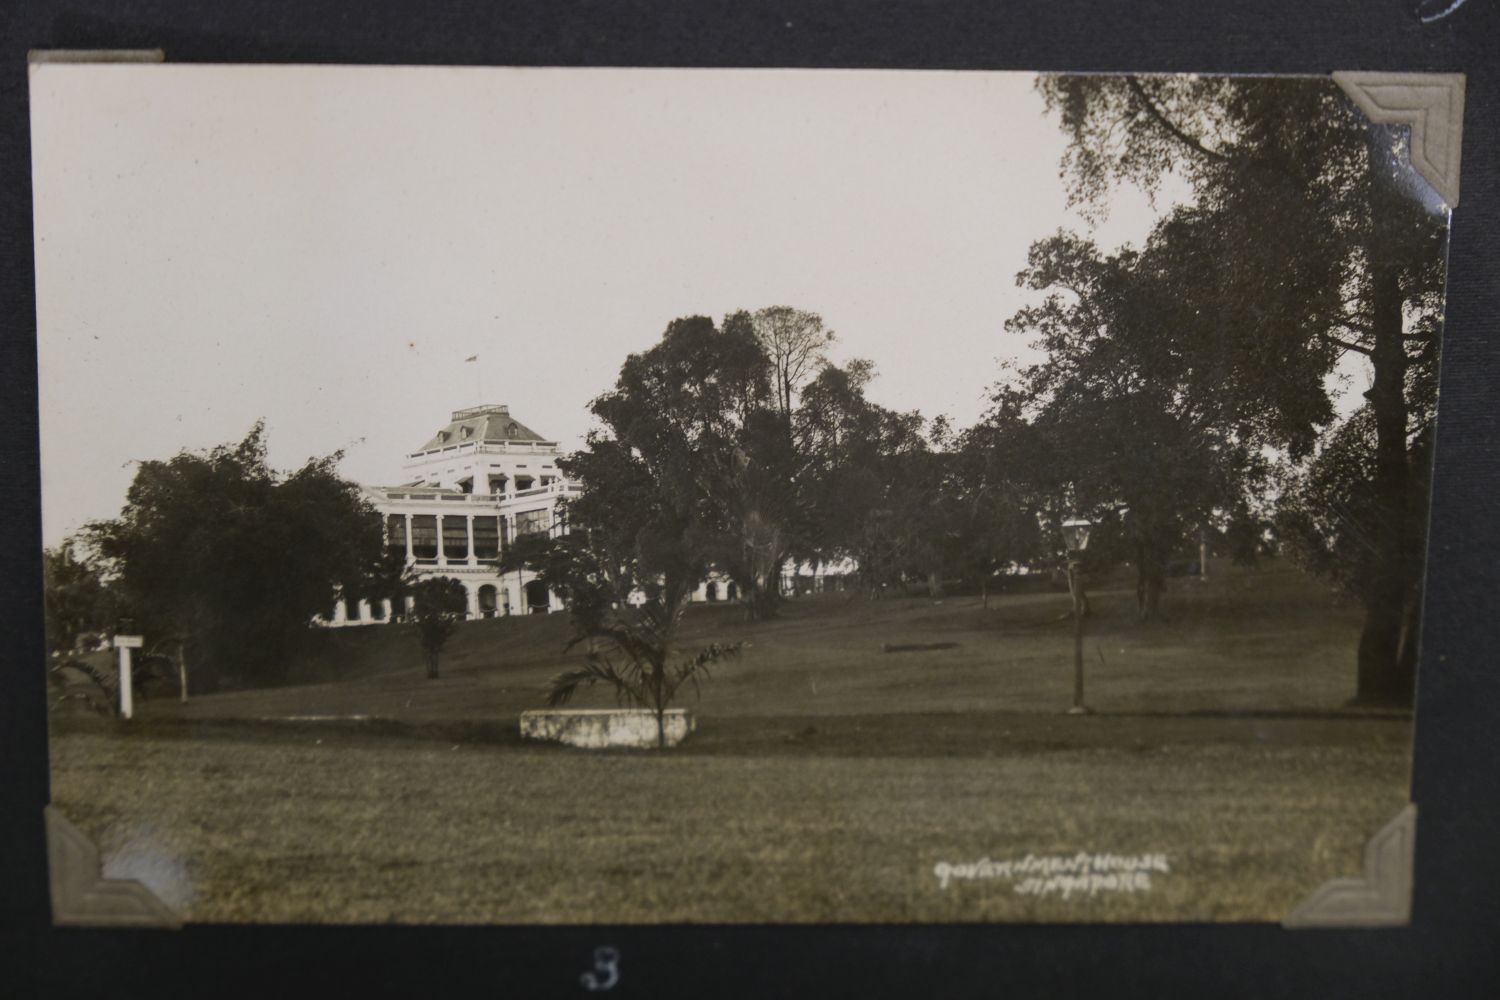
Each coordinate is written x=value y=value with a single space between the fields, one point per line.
x=324 y=246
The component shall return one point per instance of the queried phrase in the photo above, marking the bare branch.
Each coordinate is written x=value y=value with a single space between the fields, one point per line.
x=1345 y=344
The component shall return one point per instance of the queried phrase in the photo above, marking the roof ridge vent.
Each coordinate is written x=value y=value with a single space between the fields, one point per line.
x=488 y=409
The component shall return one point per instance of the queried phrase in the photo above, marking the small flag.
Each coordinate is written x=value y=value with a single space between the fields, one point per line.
x=472 y=357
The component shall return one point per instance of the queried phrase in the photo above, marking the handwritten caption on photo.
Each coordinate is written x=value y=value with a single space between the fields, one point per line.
x=1061 y=874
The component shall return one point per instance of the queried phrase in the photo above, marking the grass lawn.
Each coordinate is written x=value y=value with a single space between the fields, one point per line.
x=826 y=779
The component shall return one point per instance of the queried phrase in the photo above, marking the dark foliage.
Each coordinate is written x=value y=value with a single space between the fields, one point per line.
x=1312 y=237
x=220 y=553
x=438 y=606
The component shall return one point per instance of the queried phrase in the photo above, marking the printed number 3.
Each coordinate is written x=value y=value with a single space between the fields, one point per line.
x=607 y=964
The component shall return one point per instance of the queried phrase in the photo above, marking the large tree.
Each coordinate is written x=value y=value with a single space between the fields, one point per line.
x=873 y=481
x=1145 y=405
x=640 y=539
x=438 y=607
x=1296 y=186
x=222 y=553
x=1329 y=512
x=696 y=413
x=993 y=509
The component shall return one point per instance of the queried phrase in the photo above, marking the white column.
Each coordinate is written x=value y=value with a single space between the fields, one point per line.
x=471 y=598
x=127 y=702
x=469 y=524
x=406 y=518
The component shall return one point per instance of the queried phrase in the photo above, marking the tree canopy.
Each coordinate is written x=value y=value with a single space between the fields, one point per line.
x=76 y=600
x=1312 y=237
x=221 y=552
x=438 y=605
x=1146 y=407
x=697 y=442
x=695 y=416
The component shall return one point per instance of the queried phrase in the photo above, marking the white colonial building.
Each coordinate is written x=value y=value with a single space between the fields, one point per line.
x=478 y=484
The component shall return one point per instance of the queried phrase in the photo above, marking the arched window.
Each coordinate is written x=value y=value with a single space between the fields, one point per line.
x=487 y=601
x=711 y=591
x=537 y=600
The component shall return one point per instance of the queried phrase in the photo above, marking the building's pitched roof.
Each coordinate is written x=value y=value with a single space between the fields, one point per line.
x=482 y=423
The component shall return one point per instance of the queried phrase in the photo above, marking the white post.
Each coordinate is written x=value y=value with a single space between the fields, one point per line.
x=125 y=643
x=182 y=671
x=127 y=704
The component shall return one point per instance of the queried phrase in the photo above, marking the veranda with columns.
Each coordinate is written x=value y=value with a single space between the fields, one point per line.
x=445 y=532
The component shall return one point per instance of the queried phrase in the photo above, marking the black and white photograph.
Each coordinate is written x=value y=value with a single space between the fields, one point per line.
x=479 y=495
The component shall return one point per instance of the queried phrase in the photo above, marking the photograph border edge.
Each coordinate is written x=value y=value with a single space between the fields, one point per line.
x=82 y=896
x=1432 y=104
x=1380 y=897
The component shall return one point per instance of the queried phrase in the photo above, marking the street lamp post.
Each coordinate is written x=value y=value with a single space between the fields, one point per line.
x=1076 y=538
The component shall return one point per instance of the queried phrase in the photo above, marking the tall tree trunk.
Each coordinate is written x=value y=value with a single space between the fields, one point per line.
x=934 y=584
x=1381 y=679
x=1150 y=581
x=765 y=587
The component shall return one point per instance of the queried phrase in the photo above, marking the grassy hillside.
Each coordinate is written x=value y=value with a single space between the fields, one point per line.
x=1268 y=641
x=826 y=781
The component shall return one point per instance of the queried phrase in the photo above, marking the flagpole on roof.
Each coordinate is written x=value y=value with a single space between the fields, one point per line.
x=478 y=381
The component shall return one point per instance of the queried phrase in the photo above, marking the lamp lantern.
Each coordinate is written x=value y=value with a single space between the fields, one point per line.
x=1075 y=534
